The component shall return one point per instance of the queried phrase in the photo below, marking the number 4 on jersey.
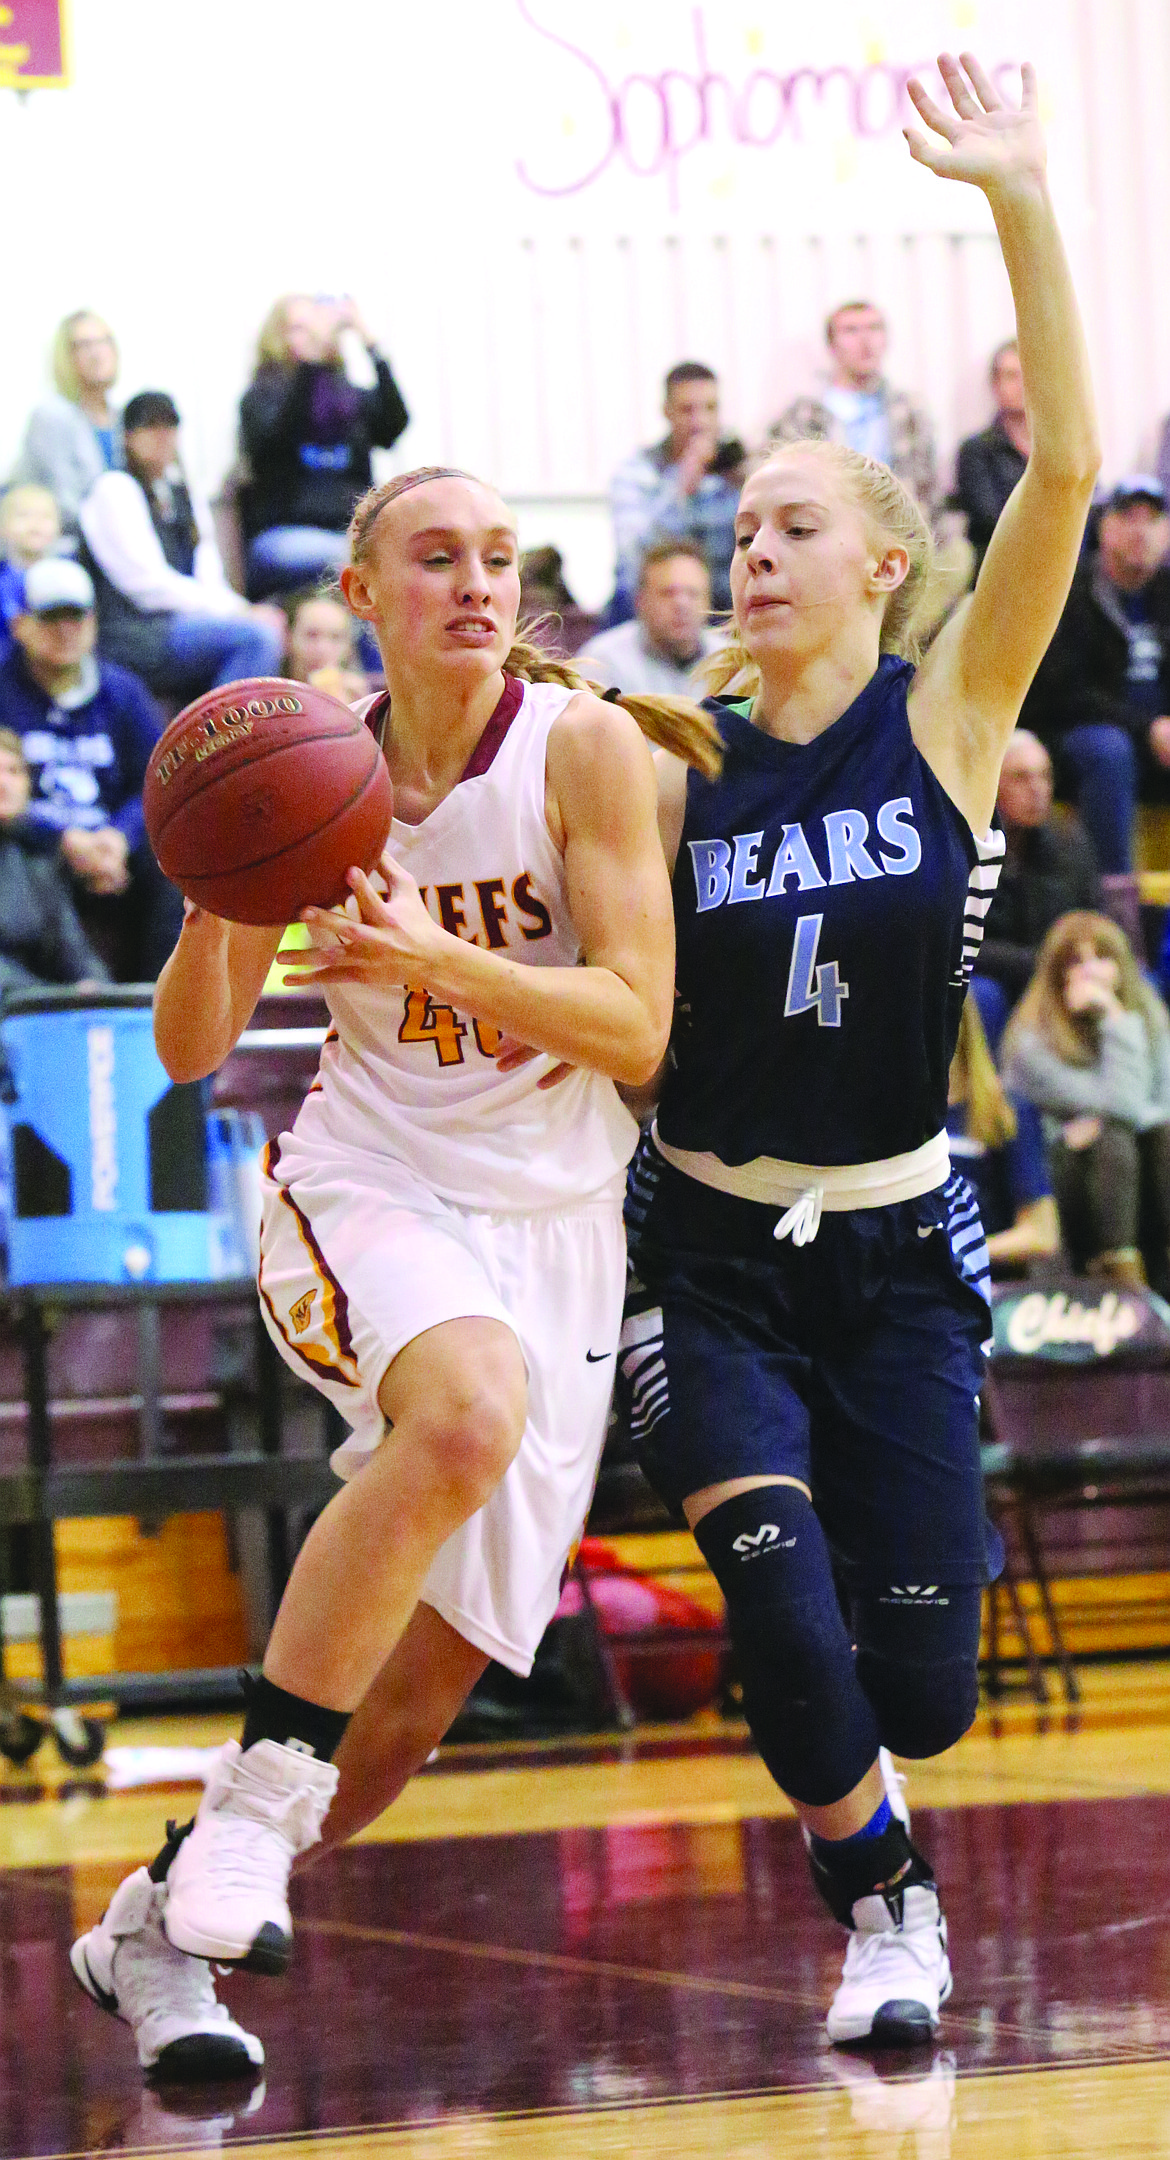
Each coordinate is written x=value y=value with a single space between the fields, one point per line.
x=423 y=1022
x=440 y=1025
x=812 y=988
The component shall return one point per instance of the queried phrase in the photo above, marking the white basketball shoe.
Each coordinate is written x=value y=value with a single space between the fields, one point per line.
x=228 y=1884
x=896 y=1974
x=126 y=1964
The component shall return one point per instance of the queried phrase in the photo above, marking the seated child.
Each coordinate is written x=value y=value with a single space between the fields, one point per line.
x=29 y=528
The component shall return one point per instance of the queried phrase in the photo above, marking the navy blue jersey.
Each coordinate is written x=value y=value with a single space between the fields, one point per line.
x=829 y=901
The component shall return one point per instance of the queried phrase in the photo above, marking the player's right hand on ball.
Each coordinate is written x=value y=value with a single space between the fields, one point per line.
x=391 y=939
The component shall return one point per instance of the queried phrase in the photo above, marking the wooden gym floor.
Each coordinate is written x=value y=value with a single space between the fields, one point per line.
x=591 y=1948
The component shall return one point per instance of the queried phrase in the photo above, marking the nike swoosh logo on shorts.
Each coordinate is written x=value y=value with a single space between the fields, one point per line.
x=597 y=1357
x=929 y=1230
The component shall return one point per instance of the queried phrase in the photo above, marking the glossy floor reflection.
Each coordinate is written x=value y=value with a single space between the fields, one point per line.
x=475 y=1983
x=1078 y=2115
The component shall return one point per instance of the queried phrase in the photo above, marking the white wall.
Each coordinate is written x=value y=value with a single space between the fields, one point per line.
x=208 y=158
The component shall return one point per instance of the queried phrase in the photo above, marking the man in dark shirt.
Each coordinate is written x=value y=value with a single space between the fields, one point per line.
x=684 y=488
x=1049 y=867
x=41 y=939
x=991 y=463
x=86 y=729
x=1101 y=700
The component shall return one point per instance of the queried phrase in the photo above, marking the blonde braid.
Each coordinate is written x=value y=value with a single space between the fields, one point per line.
x=675 y=724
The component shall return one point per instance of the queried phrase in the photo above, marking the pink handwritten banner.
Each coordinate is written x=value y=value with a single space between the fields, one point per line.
x=650 y=120
x=34 y=44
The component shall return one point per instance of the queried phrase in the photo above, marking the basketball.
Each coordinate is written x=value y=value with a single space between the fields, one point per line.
x=661 y=1678
x=261 y=795
x=665 y=1679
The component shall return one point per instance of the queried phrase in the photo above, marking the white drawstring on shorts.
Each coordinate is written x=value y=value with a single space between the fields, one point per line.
x=804 y=1190
x=803 y=1219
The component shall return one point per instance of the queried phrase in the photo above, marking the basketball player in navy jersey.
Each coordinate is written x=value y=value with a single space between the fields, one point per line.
x=801 y=1350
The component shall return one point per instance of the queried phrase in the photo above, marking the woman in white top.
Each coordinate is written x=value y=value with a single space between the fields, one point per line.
x=164 y=606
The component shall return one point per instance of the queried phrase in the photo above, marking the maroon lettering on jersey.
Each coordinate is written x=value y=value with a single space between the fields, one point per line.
x=451 y=899
x=493 y=910
x=533 y=907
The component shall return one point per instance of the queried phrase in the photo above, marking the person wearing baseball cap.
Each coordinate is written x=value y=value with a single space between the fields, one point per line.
x=1137 y=488
x=57 y=586
x=86 y=728
x=164 y=606
x=1101 y=701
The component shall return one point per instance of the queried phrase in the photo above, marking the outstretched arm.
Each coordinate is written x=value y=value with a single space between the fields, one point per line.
x=969 y=692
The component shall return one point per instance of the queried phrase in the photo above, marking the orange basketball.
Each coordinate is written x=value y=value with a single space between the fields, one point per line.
x=673 y=1680
x=662 y=1679
x=261 y=796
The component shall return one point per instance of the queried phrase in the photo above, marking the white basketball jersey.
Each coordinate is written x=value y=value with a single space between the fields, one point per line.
x=407 y=1077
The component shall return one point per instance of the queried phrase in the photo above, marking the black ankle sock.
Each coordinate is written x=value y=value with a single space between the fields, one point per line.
x=160 y=1866
x=271 y=1713
x=888 y=1864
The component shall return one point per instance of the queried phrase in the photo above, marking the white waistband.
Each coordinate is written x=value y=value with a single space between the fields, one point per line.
x=838 y=1186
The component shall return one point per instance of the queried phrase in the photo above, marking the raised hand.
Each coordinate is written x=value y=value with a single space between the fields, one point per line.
x=994 y=146
x=350 y=317
x=1089 y=987
x=696 y=458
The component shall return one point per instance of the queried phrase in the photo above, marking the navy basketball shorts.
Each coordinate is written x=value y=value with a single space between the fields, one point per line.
x=852 y=1364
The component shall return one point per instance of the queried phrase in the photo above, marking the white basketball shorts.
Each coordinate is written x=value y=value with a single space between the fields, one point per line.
x=357 y=1258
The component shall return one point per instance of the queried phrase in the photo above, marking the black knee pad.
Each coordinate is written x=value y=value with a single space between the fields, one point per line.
x=918 y=1662
x=809 y=1717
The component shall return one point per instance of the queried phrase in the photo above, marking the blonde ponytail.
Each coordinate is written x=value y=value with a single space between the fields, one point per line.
x=675 y=724
x=730 y=669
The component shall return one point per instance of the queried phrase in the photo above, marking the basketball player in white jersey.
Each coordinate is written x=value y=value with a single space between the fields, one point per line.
x=442 y=1250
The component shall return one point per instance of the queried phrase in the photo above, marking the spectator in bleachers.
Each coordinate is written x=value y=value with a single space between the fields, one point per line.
x=165 y=608
x=29 y=528
x=990 y=463
x=1101 y=700
x=41 y=938
x=1049 y=869
x=86 y=728
x=999 y=1147
x=658 y=652
x=683 y=488
x=1089 y=1044
x=306 y=433
x=75 y=436
x=855 y=404
x=322 y=646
